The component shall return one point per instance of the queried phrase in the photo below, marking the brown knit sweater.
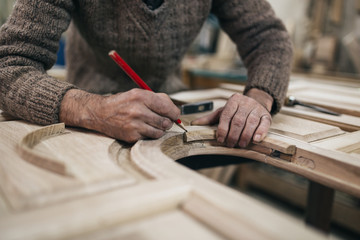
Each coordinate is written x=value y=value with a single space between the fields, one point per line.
x=153 y=42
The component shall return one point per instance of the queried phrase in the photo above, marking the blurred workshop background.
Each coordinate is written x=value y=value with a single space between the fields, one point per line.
x=326 y=40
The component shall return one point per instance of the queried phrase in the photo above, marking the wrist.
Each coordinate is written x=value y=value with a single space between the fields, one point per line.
x=76 y=108
x=262 y=97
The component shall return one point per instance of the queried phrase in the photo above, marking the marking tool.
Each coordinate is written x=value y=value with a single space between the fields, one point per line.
x=136 y=78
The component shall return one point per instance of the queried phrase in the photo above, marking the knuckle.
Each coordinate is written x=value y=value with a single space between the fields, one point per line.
x=267 y=117
x=225 y=116
x=164 y=96
x=136 y=94
x=221 y=132
x=238 y=121
x=135 y=112
x=236 y=96
x=253 y=120
x=131 y=127
x=265 y=122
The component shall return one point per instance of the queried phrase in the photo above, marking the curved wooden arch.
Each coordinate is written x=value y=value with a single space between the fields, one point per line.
x=31 y=139
x=156 y=158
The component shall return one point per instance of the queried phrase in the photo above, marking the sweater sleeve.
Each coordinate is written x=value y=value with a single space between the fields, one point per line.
x=263 y=44
x=29 y=41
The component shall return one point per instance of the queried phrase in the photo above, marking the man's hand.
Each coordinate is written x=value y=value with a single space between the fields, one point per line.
x=128 y=116
x=242 y=119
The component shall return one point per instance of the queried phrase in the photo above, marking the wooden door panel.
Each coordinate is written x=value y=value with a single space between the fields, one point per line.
x=26 y=185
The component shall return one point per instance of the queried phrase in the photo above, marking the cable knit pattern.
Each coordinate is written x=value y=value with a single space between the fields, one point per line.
x=153 y=42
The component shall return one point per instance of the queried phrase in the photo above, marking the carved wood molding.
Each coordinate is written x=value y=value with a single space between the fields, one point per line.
x=334 y=169
x=32 y=139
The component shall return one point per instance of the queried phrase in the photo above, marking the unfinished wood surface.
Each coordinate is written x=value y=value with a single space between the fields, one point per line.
x=344 y=121
x=33 y=138
x=331 y=168
x=347 y=143
x=26 y=185
x=209 y=133
x=302 y=129
x=85 y=215
x=200 y=95
x=163 y=167
x=116 y=198
x=199 y=208
x=173 y=224
x=200 y=133
x=337 y=98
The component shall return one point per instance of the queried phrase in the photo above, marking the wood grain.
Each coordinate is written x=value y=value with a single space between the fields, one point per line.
x=207 y=134
x=73 y=218
x=344 y=121
x=333 y=169
x=347 y=143
x=346 y=100
x=85 y=154
x=163 y=167
x=302 y=129
x=33 y=138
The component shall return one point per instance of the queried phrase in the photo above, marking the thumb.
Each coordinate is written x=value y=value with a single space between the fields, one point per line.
x=209 y=119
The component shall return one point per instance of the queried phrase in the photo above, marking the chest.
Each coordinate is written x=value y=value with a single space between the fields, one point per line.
x=117 y=23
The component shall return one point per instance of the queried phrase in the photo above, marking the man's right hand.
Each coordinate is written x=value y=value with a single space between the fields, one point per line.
x=127 y=116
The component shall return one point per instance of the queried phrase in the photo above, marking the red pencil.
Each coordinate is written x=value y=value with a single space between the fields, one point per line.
x=132 y=74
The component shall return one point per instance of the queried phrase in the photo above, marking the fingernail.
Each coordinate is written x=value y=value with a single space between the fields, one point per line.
x=257 y=137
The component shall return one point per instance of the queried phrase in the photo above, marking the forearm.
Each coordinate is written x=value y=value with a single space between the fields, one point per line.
x=263 y=43
x=28 y=44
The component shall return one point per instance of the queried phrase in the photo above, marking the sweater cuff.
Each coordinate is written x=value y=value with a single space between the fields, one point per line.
x=45 y=103
x=269 y=79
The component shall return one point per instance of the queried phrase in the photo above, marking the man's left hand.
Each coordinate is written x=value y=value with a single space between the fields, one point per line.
x=242 y=119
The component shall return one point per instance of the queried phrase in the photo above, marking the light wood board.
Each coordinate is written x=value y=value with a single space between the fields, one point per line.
x=302 y=129
x=26 y=185
x=337 y=98
x=347 y=143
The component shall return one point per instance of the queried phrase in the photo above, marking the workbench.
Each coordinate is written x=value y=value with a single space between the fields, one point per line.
x=59 y=182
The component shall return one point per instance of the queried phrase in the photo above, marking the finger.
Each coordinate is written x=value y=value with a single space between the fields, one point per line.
x=161 y=104
x=236 y=127
x=226 y=115
x=136 y=130
x=157 y=121
x=252 y=123
x=208 y=119
x=148 y=131
x=263 y=128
